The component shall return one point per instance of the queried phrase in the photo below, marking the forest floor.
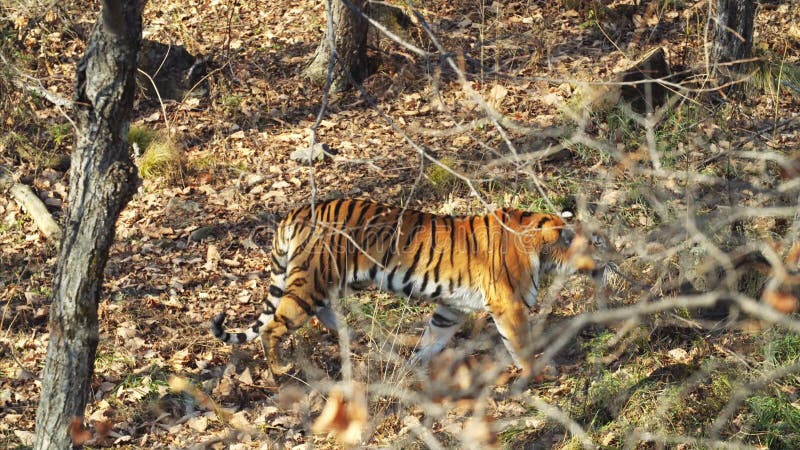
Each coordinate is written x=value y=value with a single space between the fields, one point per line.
x=216 y=167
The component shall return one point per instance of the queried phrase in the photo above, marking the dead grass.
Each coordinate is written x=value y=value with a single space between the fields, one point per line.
x=161 y=154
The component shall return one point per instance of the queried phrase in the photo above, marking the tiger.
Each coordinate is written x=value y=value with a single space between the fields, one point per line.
x=492 y=262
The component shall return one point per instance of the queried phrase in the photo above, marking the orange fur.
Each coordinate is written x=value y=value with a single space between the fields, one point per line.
x=464 y=264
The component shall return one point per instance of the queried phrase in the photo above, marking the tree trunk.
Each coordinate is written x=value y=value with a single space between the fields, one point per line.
x=350 y=41
x=102 y=180
x=733 y=37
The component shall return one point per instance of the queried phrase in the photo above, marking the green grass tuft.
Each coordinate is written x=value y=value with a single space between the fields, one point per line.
x=232 y=102
x=141 y=136
x=783 y=349
x=60 y=133
x=776 y=422
x=774 y=77
x=597 y=347
x=441 y=179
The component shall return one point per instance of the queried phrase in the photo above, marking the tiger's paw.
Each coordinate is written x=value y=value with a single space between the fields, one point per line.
x=520 y=377
x=279 y=371
x=547 y=373
x=510 y=375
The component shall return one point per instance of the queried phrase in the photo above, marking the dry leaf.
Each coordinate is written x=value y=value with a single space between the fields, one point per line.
x=25 y=437
x=180 y=358
x=212 y=257
x=180 y=384
x=463 y=377
x=608 y=439
x=78 y=433
x=245 y=377
x=462 y=141
x=344 y=417
x=479 y=433
x=204 y=178
x=198 y=423
x=225 y=387
x=678 y=355
x=102 y=428
x=240 y=422
x=496 y=95
x=102 y=413
x=231 y=262
x=306 y=155
x=793 y=257
x=126 y=331
x=288 y=396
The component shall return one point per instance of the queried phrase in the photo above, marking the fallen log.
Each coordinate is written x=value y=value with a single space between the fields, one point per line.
x=31 y=203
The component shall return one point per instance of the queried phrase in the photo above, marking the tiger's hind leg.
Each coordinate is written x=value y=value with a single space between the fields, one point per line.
x=442 y=326
x=327 y=316
x=292 y=312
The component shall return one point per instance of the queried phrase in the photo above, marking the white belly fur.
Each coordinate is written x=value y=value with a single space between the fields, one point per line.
x=462 y=299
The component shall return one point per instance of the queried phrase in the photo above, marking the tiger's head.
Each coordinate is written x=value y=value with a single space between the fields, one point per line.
x=561 y=245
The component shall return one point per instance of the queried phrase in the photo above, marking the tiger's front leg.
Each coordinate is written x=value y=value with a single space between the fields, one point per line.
x=511 y=319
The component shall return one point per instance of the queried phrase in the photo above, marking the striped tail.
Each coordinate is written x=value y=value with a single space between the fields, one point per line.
x=280 y=249
x=218 y=329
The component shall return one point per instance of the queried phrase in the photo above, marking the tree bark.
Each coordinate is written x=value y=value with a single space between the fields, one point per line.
x=733 y=36
x=102 y=181
x=350 y=42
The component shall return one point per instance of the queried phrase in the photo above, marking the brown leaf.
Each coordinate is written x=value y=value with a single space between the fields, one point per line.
x=496 y=95
x=608 y=439
x=342 y=416
x=231 y=262
x=239 y=421
x=288 y=396
x=678 y=355
x=204 y=178
x=180 y=384
x=25 y=437
x=198 y=423
x=793 y=257
x=225 y=387
x=245 y=377
x=102 y=428
x=180 y=358
x=212 y=257
x=479 y=433
x=77 y=432
x=462 y=141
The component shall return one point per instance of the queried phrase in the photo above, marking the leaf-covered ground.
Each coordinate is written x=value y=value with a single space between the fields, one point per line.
x=194 y=241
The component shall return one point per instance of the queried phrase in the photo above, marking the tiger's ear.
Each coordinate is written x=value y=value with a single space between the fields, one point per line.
x=565 y=232
x=554 y=230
